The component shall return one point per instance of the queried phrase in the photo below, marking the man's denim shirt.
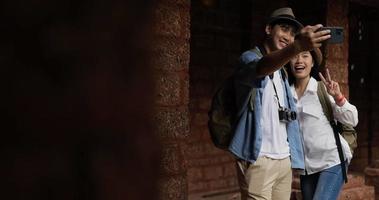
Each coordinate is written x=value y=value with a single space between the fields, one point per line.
x=247 y=140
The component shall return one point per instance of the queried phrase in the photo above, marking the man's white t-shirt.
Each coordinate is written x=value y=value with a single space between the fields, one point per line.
x=274 y=136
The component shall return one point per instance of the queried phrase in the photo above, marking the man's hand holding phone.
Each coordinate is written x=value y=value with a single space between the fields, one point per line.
x=311 y=37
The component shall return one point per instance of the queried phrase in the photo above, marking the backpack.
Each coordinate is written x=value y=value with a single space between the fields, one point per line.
x=346 y=131
x=224 y=115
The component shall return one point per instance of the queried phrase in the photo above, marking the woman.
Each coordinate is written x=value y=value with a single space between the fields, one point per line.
x=322 y=178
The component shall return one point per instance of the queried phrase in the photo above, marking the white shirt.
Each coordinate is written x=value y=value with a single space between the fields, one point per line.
x=320 y=147
x=274 y=137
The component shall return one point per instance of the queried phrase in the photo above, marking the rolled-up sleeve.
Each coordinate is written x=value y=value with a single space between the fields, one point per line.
x=346 y=114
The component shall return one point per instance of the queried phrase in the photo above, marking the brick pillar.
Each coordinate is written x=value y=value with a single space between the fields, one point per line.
x=171 y=61
x=336 y=56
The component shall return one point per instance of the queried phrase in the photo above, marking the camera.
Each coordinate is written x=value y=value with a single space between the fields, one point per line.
x=286 y=115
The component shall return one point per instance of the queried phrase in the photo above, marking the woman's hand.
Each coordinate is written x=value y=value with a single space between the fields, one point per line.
x=333 y=88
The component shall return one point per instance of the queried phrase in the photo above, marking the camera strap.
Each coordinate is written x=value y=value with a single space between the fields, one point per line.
x=285 y=86
x=283 y=76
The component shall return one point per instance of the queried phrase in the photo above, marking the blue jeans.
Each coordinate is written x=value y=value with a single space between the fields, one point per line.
x=323 y=185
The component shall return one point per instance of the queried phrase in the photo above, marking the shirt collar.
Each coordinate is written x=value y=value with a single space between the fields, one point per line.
x=311 y=87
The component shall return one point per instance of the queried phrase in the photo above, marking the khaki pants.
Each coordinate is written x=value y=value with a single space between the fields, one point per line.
x=266 y=179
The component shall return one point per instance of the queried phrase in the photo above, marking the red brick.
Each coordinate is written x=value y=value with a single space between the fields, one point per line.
x=172 y=21
x=337 y=13
x=227 y=157
x=218 y=184
x=171 y=89
x=337 y=55
x=338 y=51
x=233 y=182
x=194 y=187
x=193 y=150
x=212 y=172
x=364 y=192
x=199 y=118
x=354 y=181
x=173 y=188
x=172 y=123
x=194 y=174
x=230 y=170
x=172 y=160
x=338 y=69
x=198 y=162
x=196 y=133
x=171 y=54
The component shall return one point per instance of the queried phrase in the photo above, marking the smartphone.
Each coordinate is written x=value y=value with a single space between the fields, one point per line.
x=336 y=34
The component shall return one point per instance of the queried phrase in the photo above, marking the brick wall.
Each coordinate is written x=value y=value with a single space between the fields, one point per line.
x=215 y=46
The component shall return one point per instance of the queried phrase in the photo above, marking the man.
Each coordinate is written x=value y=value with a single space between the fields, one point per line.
x=267 y=141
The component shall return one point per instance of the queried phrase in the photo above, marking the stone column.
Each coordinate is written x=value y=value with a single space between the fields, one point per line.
x=336 y=56
x=170 y=62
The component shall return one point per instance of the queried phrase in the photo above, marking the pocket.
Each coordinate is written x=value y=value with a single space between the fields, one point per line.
x=259 y=163
x=243 y=165
x=312 y=110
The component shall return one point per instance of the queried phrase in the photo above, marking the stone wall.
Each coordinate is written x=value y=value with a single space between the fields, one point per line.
x=170 y=63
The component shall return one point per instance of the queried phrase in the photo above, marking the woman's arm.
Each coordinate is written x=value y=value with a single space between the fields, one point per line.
x=343 y=111
x=346 y=114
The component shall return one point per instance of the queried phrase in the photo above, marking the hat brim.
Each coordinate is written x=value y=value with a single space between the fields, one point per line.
x=289 y=20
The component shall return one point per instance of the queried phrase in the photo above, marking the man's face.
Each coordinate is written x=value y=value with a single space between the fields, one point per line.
x=280 y=35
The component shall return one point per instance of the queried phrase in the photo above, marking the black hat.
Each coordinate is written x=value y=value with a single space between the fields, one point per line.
x=286 y=15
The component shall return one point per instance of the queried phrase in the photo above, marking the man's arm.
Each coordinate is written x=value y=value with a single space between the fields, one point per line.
x=275 y=60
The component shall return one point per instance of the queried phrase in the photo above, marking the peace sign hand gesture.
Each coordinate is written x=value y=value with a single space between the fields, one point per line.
x=332 y=87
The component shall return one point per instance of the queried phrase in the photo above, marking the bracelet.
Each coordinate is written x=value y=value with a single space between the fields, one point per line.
x=340 y=100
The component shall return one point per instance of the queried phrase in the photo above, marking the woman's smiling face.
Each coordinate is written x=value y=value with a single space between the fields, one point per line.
x=301 y=65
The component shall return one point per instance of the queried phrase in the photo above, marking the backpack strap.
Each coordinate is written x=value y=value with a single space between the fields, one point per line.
x=327 y=109
x=252 y=95
x=257 y=51
x=325 y=101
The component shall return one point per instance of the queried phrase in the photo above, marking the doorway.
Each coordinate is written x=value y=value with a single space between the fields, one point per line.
x=363 y=76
